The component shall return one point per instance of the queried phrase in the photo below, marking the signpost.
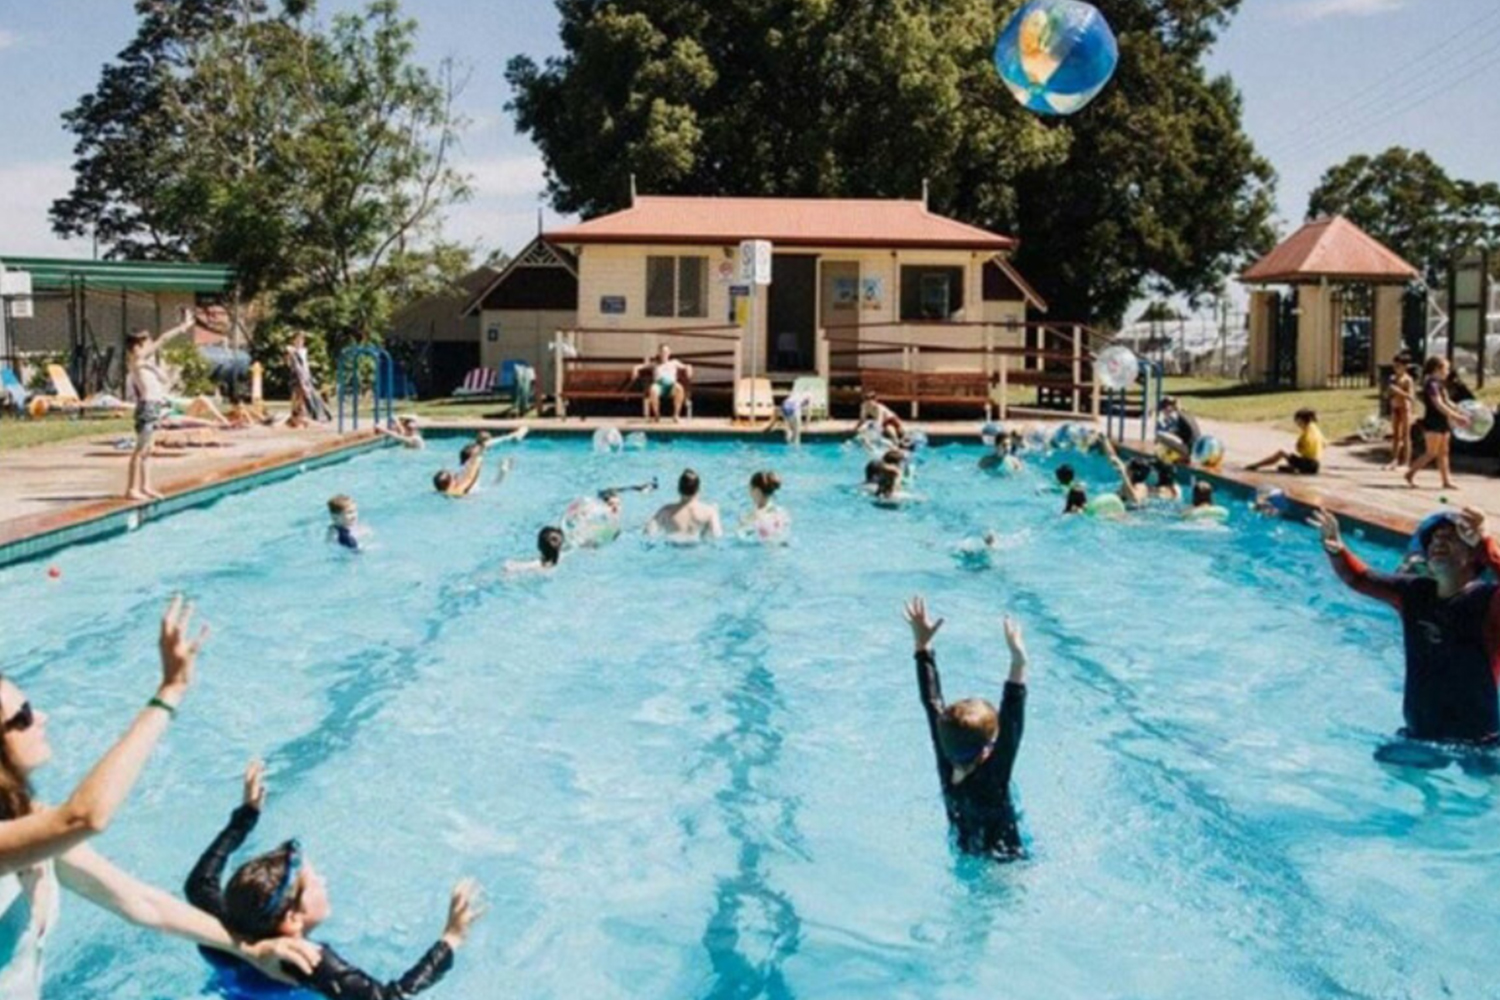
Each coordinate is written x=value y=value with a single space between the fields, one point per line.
x=755 y=271
x=15 y=303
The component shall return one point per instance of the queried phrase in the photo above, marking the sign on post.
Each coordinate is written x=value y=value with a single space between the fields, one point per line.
x=15 y=291
x=755 y=262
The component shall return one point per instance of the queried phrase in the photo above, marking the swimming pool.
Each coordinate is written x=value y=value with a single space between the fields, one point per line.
x=704 y=773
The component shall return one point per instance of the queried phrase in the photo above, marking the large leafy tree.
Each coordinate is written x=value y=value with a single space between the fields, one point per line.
x=1406 y=200
x=314 y=159
x=1154 y=182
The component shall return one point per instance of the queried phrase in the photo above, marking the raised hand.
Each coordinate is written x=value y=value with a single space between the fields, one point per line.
x=1013 y=639
x=1333 y=541
x=922 y=627
x=255 y=784
x=179 y=654
x=464 y=907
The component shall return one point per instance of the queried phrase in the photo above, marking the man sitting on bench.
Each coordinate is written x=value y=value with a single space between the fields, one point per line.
x=666 y=380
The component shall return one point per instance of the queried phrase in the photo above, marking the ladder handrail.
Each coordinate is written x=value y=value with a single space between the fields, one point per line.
x=384 y=389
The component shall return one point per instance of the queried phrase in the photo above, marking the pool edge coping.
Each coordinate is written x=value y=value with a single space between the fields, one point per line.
x=34 y=536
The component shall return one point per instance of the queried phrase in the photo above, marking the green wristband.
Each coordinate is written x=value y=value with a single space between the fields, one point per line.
x=171 y=710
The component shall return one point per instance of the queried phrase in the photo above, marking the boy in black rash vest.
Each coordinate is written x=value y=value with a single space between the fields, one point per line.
x=975 y=745
x=279 y=894
x=1451 y=624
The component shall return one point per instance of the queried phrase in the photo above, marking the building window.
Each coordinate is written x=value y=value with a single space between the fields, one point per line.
x=931 y=293
x=677 y=287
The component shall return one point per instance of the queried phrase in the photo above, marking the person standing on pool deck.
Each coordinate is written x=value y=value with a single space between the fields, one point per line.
x=975 y=745
x=689 y=519
x=667 y=374
x=1437 y=423
x=44 y=850
x=1450 y=621
x=147 y=383
x=280 y=893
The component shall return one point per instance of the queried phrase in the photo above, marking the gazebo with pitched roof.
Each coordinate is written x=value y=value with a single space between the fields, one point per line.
x=1298 y=332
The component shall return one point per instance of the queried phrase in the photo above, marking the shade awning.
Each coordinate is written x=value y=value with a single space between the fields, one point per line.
x=56 y=274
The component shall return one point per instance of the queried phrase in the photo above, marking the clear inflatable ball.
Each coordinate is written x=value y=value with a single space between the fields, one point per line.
x=1055 y=56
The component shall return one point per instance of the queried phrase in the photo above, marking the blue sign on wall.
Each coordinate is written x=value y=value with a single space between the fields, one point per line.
x=612 y=305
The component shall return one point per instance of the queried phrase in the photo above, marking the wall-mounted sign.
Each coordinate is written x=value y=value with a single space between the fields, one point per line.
x=492 y=334
x=755 y=262
x=845 y=293
x=739 y=304
x=872 y=294
x=612 y=305
x=725 y=274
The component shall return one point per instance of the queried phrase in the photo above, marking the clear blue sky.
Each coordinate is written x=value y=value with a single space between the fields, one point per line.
x=1322 y=79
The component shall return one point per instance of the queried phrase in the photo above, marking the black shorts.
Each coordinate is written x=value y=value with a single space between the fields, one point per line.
x=147 y=416
x=1303 y=466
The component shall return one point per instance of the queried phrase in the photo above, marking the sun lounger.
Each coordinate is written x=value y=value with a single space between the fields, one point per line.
x=754 y=399
x=15 y=392
x=815 y=390
x=479 y=382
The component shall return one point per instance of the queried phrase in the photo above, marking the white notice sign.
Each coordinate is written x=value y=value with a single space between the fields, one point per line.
x=755 y=262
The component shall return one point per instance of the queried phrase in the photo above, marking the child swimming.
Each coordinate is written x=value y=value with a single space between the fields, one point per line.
x=405 y=431
x=280 y=894
x=1134 y=490
x=975 y=745
x=344 y=513
x=549 y=546
x=1165 y=487
x=1202 y=507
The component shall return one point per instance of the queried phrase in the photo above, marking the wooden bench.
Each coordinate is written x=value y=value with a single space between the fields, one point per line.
x=938 y=388
x=581 y=383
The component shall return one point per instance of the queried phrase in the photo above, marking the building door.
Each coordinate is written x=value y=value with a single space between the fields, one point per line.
x=1284 y=320
x=839 y=312
x=792 y=316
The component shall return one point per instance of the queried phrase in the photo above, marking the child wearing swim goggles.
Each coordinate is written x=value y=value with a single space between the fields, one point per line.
x=280 y=894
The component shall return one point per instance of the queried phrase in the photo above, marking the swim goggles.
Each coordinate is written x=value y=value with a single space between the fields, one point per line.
x=21 y=721
x=972 y=756
x=278 y=901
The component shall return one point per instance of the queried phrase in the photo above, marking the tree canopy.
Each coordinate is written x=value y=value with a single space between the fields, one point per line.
x=315 y=159
x=1403 y=198
x=1155 y=182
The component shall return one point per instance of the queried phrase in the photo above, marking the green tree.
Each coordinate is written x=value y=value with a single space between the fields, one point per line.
x=1406 y=200
x=1154 y=182
x=315 y=160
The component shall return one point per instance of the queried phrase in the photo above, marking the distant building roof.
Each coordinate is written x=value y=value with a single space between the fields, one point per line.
x=1332 y=248
x=53 y=274
x=806 y=222
x=538 y=255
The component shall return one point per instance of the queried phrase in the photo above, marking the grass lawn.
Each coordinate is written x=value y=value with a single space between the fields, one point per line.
x=1339 y=410
x=29 y=433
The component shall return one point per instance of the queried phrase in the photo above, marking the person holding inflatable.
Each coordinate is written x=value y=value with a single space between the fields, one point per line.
x=279 y=893
x=45 y=849
x=975 y=745
x=1450 y=619
x=1437 y=423
x=689 y=519
x=667 y=375
x=1176 y=431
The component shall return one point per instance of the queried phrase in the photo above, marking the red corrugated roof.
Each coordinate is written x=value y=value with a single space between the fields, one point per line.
x=807 y=222
x=1332 y=248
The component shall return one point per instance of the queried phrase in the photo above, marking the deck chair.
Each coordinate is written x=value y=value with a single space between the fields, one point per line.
x=62 y=385
x=16 y=395
x=754 y=399
x=816 y=391
x=479 y=382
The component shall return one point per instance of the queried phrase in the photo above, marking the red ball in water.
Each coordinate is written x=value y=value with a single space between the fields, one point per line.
x=54 y=572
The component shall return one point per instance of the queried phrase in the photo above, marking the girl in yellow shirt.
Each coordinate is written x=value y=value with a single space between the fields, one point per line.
x=1307 y=459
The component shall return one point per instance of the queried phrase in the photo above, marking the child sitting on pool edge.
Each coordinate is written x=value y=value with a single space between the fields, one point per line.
x=975 y=745
x=279 y=894
x=1307 y=457
x=345 y=530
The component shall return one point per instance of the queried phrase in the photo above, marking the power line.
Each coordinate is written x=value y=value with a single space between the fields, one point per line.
x=1466 y=70
x=1465 y=37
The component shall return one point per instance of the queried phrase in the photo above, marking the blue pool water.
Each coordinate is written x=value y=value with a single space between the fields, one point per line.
x=704 y=773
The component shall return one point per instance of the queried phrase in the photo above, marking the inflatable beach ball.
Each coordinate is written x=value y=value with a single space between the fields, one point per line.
x=1481 y=421
x=1056 y=55
x=1374 y=428
x=1117 y=367
x=1208 y=452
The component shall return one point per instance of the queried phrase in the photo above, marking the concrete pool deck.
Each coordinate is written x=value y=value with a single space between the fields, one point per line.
x=48 y=488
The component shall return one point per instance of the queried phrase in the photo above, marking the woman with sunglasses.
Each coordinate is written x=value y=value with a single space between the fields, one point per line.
x=44 y=849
